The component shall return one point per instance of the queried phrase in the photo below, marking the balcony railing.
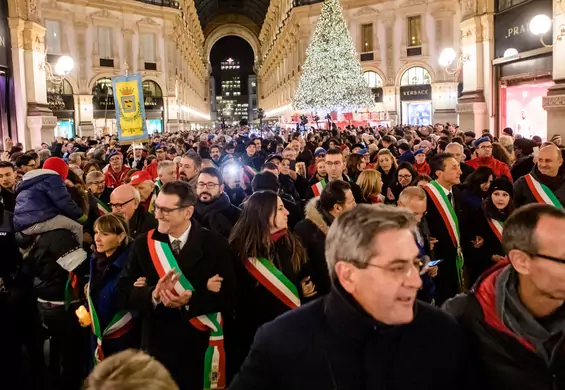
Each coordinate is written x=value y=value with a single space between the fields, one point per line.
x=163 y=3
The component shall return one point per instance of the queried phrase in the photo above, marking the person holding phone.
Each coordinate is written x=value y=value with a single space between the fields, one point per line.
x=415 y=200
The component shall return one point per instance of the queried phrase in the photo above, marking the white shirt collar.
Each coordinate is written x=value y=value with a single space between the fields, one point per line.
x=445 y=190
x=183 y=238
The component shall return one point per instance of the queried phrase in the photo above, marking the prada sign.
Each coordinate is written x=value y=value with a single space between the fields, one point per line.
x=512 y=27
x=416 y=92
x=378 y=94
x=4 y=35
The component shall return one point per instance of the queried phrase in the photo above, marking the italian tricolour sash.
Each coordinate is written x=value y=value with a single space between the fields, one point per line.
x=541 y=192
x=318 y=187
x=273 y=280
x=214 y=360
x=103 y=209
x=496 y=227
x=120 y=324
x=445 y=208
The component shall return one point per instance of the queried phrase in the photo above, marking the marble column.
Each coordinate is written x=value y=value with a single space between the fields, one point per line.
x=472 y=106
x=36 y=122
x=554 y=102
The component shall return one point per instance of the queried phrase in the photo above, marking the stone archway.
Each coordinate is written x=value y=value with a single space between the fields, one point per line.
x=236 y=30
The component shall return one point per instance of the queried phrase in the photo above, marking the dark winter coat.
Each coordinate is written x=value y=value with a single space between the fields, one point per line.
x=141 y=222
x=8 y=199
x=447 y=282
x=523 y=195
x=466 y=171
x=40 y=196
x=49 y=252
x=522 y=167
x=478 y=260
x=218 y=216
x=407 y=156
x=332 y=343
x=104 y=274
x=167 y=333
x=255 y=304
x=388 y=180
x=312 y=233
x=503 y=359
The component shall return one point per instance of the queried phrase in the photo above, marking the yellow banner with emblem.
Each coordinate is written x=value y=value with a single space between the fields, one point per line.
x=130 y=108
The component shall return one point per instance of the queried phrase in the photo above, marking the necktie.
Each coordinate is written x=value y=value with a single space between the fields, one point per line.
x=176 y=246
x=450 y=197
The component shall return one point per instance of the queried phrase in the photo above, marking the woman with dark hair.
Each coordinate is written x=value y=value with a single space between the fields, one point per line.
x=500 y=153
x=475 y=189
x=387 y=167
x=406 y=176
x=355 y=165
x=270 y=268
x=113 y=330
x=90 y=167
x=481 y=244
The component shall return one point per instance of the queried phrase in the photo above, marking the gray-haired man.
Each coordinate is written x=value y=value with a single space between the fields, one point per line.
x=369 y=332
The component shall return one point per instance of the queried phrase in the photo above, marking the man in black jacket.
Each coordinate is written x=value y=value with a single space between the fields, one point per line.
x=515 y=315
x=545 y=183
x=213 y=208
x=7 y=185
x=443 y=218
x=336 y=198
x=177 y=260
x=125 y=200
x=369 y=332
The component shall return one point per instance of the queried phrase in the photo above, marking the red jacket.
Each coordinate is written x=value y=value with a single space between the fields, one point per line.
x=498 y=167
x=115 y=179
x=423 y=169
x=152 y=169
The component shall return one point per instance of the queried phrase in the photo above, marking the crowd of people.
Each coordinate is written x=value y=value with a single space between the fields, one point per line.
x=356 y=258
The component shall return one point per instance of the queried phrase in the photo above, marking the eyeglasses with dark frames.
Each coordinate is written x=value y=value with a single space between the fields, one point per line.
x=546 y=257
x=120 y=205
x=165 y=210
x=405 y=269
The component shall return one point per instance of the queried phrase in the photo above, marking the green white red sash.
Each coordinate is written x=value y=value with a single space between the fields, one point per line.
x=214 y=360
x=120 y=324
x=541 y=192
x=273 y=280
x=496 y=227
x=103 y=209
x=318 y=187
x=445 y=209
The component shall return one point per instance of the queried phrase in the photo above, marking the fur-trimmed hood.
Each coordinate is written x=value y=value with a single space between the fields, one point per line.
x=313 y=214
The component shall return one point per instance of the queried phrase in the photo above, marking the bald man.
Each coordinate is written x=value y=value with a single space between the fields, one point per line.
x=545 y=183
x=125 y=200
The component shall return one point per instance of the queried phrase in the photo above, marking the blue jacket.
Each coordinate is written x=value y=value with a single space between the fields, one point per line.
x=40 y=196
x=103 y=295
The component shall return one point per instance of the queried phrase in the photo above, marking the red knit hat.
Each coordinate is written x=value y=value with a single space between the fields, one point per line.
x=58 y=165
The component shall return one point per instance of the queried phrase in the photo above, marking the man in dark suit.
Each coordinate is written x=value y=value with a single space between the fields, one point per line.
x=183 y=265
x=443 y=209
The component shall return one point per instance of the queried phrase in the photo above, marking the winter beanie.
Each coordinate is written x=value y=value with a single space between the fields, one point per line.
x=58 y=165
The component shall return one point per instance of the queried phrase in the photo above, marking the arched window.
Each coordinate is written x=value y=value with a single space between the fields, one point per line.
x=102 y=94
x=151 y=88
x=152 y=94
x=415 y=76
x=373 y=79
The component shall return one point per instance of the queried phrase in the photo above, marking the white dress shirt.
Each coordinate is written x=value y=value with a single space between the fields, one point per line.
x=183 y=237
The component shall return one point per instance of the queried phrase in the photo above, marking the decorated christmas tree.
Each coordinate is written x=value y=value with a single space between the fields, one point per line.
x=332 y=77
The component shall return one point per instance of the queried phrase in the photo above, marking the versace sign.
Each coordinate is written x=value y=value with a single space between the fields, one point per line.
x=512 y=27
x=416 y=92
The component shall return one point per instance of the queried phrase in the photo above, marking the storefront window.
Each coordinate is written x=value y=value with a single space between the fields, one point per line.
x=373 y=79
x=416 y=76
x=103 y=95
x=522 y=109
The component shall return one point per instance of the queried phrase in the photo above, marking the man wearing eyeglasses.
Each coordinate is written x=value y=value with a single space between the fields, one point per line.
x=515 y=314
x=126 y=201
x=213 y=209
x=177 y=304
x=369 y=332
x=484 y=158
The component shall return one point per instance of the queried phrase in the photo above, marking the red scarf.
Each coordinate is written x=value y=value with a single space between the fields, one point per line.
x=278 y=235
x=422 y=169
